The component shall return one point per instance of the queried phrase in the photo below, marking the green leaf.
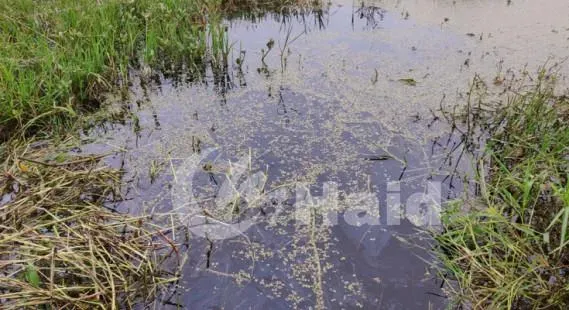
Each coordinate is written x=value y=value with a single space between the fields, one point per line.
x=32 y=275
x=61 y=157
x=564 y=227
x=409 y=81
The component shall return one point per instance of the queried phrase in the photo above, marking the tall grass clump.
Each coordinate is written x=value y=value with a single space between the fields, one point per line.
x=58 y=57
x=61 y=247
x=507 y=247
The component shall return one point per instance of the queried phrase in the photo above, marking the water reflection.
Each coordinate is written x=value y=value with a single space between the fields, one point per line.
x=224 y=69
x=372 y=15
x=305 y=97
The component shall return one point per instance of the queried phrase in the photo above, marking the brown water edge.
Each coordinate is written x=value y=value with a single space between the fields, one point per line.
x=349 y=95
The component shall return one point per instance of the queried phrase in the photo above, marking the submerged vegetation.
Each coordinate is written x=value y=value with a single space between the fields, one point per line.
x=507 y=248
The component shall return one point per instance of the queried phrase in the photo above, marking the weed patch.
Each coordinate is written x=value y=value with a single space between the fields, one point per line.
x=59 y=57
x=507 y=248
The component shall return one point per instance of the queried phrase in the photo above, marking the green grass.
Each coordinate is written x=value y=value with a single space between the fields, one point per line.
x=59 y=57
x=507 y=247
x=60 y=247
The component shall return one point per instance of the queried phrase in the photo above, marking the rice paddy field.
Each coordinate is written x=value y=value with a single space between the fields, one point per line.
x=216 y=154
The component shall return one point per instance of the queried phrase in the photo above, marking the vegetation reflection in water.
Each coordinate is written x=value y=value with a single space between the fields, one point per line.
x=62 y=58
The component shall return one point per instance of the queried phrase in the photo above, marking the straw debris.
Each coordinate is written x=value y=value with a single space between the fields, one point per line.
x=61 y=243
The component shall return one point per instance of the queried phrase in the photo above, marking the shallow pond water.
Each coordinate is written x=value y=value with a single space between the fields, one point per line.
x=303 y=174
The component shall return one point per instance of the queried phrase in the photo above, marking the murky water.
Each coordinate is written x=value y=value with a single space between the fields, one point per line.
x=300 y=152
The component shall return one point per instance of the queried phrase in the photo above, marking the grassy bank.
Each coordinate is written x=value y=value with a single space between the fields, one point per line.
x=59 y=57
x=507 y=247
x=60 y=244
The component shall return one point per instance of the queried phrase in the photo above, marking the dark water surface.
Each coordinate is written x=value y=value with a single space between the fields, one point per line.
x=348 y=97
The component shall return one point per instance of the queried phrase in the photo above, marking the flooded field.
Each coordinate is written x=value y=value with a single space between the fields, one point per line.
x=302 y=171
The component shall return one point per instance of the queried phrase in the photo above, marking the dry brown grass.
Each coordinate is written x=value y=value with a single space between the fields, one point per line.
x=60 y=246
